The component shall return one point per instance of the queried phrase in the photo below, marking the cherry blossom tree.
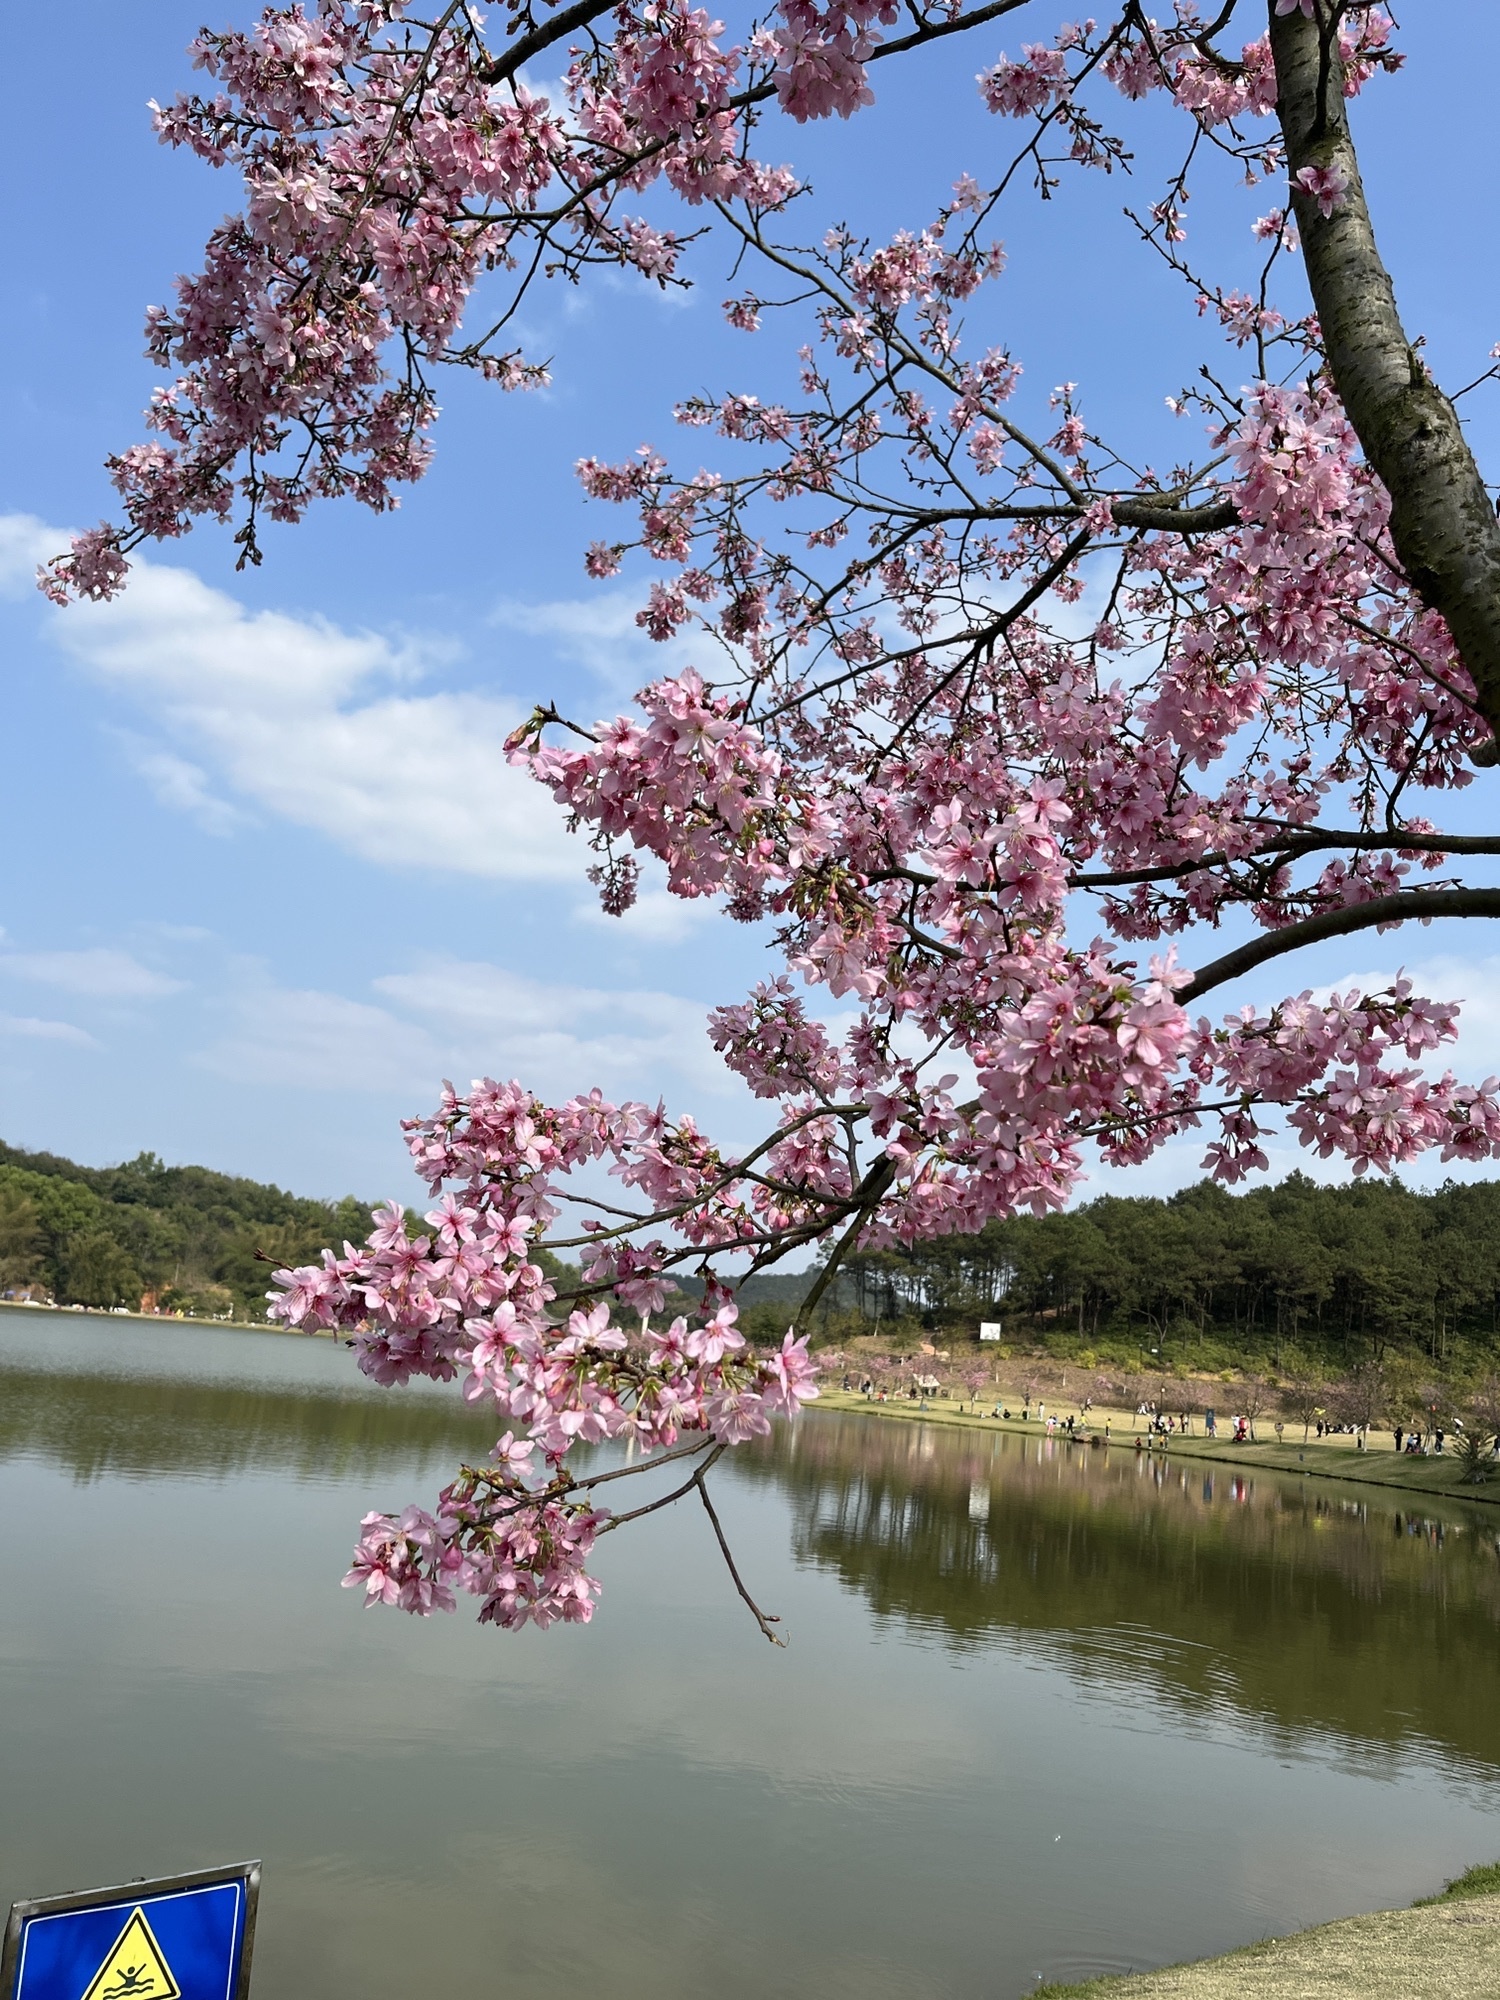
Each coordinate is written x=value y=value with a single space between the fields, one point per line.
x=976 y=1379
x=979 y=711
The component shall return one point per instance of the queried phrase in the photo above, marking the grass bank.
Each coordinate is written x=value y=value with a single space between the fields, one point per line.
x=1447 y=1948
x=1318 y=1458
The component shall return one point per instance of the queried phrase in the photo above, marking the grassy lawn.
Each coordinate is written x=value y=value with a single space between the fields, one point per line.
x=1324 y=1458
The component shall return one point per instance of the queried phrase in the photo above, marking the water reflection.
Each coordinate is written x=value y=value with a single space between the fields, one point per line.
x=1295 y=1603
x=151 y=1426
x=1041 y=1711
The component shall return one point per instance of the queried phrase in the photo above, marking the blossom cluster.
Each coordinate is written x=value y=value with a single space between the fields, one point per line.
x=388 y=166
x=977 y=704
x=462 y=1299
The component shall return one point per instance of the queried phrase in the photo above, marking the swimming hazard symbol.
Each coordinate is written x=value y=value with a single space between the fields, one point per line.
x=135 y=1968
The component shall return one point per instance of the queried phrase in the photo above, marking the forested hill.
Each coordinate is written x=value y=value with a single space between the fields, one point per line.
x=105 y=1236
x=1210 y=1277
x=185 y=1237
x=1202 y=1278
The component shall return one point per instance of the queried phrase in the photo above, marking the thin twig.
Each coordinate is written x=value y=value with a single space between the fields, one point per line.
x=647 y=1464
x=667 y=1499
x=764 y=1619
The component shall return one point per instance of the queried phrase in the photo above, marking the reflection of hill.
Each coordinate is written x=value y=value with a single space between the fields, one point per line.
x=142 y=1426
x=1309 y=1611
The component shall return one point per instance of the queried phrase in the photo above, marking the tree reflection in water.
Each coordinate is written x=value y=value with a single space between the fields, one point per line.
x=148 y=1426
x=1307 y=1606
x=1304 y=1605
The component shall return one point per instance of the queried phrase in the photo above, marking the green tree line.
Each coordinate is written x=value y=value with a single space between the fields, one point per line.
x=1344 y=1273
x=185 y=1236
x=1349 y=1274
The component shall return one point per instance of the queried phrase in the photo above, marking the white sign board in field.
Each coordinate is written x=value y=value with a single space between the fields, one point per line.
x=990 y=1329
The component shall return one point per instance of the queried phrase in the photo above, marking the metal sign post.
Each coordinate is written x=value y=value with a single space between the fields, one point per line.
x=184 y=1937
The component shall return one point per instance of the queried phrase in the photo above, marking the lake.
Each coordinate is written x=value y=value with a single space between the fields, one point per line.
x=1045 y=1711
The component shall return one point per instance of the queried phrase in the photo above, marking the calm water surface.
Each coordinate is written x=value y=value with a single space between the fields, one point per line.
x=1043 y=1712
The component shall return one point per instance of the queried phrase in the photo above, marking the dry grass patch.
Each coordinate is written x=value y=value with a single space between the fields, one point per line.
x=1448 y=1949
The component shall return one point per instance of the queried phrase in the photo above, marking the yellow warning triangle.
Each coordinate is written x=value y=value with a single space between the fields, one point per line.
x=135 y=1968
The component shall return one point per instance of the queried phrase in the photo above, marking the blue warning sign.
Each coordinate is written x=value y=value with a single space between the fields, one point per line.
x=187 y=1937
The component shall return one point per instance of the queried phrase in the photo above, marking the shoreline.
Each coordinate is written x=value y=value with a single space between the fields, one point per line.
x=1433 y=1478
x=1390 y=1471
x=1443 y=1948
x=134 y=1318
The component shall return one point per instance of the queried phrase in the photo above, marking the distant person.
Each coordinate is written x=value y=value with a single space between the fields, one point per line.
x=1398 y=1435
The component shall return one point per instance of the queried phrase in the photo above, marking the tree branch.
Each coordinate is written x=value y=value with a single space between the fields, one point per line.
x=764 y=1619
x=1415 y=904
x=559 y=26
x=556 y=29
x=868 y=1195
x=1442 y=523
x=1293 y=844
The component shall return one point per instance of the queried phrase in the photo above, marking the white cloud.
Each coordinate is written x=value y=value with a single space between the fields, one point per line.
x=462 y=1019
x=25 y=544
x=561 y=1038
x=321 y=1041
x=26 y=1027
x=599 y=632
x=99 y=973
x=655 y=917
x=1473 y=982
x=303 y=719
x=183 y=786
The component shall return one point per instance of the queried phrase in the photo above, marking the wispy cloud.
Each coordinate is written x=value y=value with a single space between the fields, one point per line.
x=598 y=632
x=99 y=973
x=562 y=1038
x=320 y=726
x=462 y=1019
x=655 y=917
x=26 y=1027
x=183 y=786
x=307 y=1040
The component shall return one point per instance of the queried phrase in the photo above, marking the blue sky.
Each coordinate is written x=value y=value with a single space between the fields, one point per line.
x=269 y=876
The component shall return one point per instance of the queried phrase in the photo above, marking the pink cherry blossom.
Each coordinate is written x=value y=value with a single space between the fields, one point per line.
x=1327 y=186
x=1016 y=745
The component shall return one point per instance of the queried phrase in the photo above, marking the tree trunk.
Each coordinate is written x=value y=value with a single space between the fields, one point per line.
x=1442 y=522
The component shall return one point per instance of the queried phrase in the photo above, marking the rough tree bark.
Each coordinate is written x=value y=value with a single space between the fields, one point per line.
x=1442 y=521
